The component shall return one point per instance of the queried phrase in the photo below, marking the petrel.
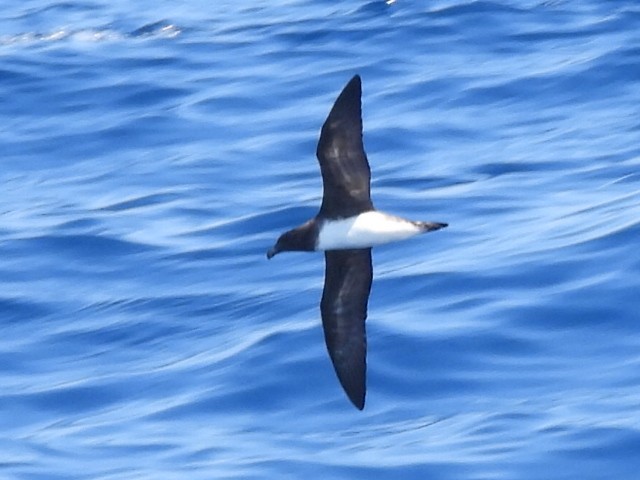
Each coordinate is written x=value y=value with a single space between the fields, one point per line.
x=345 y=228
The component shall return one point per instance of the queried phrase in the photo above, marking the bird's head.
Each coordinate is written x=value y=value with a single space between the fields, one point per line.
x=280 y=246
x=301 y=239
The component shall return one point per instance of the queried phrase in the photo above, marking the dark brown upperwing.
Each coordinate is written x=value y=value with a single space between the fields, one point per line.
x=346 y=176
x=347 y=284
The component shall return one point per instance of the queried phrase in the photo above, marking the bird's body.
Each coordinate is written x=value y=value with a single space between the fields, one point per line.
x=368 y=229
x=346 y=228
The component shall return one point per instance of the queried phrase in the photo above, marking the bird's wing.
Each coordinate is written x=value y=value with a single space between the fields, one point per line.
x=347 y=283
x=346 y=176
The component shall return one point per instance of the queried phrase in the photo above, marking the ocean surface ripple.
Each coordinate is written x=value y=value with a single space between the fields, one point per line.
x=153 y=151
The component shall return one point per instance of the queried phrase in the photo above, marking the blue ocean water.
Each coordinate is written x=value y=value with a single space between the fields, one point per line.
x=152 y=151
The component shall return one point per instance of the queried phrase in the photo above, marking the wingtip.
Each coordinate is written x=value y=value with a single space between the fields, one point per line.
x=351 y=93
x=358 y=403
x=356 y=395
x=352 y=375
x=354 y=84
x=354 y=385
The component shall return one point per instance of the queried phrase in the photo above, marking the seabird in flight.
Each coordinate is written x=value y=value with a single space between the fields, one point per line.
x=345 y=228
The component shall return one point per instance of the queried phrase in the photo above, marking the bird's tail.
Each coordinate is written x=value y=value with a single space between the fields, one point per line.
x=430 y=226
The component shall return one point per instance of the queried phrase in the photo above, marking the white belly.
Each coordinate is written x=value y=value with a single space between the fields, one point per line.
x=365 y=230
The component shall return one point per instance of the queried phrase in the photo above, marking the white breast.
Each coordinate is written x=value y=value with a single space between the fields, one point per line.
x=365 y=230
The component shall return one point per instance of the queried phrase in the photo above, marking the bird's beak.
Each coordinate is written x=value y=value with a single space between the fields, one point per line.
x=271 y=252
